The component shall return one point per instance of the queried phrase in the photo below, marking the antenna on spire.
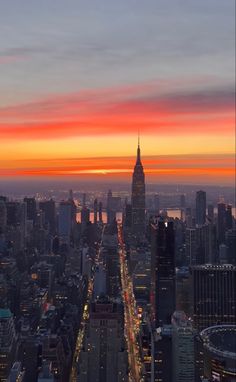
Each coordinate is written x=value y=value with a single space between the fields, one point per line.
x=138 y=161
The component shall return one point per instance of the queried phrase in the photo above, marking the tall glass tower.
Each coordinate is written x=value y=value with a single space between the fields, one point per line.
x=138 y=196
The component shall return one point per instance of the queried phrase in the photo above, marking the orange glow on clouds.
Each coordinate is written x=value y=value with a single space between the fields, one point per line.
x=172 y=169
x=93 y=133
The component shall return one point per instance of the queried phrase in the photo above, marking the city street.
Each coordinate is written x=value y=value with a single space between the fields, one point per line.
x=131 y=319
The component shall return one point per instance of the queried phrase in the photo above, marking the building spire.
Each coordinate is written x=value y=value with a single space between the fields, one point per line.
x=138 y=160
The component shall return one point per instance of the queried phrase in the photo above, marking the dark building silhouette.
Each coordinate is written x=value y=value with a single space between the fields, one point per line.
x=103 y=356
x=128 y=215
x=85 y=215
x=31 y=209
x=230 y=240
x=221 y=222
x=7 y=342
x=200 y=207
x=100 y=212
x=210 y=212
x=157 y=204
x=228 y=217
x=182 y=201
x=95 y=211
x=138 y=196
x=111 y=213
x=214 y=298
x=15 y=213
x=162 y=354
x=48 y=207
x=163 y=271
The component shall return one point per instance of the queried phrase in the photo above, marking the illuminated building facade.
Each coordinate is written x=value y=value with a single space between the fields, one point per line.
x=138 y=196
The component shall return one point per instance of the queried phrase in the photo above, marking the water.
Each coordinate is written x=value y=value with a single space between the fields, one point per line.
x=104 y=216
x=176 y=212
x=172 y=213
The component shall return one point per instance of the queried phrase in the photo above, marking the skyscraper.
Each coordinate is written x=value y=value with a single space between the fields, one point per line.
x=214 y=297
x=200 y=207
x=49 y=209
x=111 y=213
x=103 y=356
x=31 y=210
x=191 y=245
x=95 y=211
x=182 y=347
x=138 y=196
x=228 y=217
x=221 y=212
x=163 y=271
x=210 y=212
x=100 y=212
x=64 y=221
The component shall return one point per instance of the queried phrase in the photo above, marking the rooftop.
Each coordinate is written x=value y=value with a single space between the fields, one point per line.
x=220 y=339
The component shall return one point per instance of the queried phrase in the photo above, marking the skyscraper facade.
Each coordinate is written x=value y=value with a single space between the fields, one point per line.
x=49 y=209
x=64 y=221
x=214 y=295
x=138 y=196
x=104 y=357
x=200 y=207
x=182 y=347
x=163 y=271
x=221 y=212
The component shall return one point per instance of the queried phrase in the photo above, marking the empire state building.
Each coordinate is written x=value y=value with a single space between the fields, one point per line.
x=138 y=196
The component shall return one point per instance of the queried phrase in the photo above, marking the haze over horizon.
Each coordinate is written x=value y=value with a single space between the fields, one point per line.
x=79 y=82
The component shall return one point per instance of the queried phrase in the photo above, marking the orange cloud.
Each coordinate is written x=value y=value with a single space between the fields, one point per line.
x=113 y=111
x=173 y=168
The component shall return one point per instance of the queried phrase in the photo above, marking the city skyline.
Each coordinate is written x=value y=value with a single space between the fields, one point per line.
x=122 y=286
x=75 y=93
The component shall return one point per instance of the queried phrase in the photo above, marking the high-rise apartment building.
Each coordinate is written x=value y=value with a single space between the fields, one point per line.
x=214 y=295
x=138 y=196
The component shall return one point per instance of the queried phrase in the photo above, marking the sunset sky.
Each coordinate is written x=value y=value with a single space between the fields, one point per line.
x=79 y=79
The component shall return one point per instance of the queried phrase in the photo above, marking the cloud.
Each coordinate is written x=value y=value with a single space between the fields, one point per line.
x=23 y=53
x=208 y=168
x=122 y=110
